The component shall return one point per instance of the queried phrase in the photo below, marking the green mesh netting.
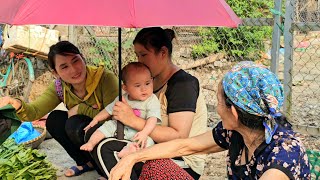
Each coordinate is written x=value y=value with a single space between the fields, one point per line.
x=314 y=159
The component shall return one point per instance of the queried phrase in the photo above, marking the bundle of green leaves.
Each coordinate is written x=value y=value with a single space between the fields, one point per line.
x=18 y=162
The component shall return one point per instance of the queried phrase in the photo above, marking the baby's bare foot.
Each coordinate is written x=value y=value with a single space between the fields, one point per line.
x=124 y=151
x=87 y=147
x=128 y=149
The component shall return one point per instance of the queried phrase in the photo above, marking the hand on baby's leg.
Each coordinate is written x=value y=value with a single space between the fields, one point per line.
x=128 y=149
x=139 y=142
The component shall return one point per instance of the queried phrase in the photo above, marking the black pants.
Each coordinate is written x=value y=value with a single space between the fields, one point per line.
x=105 y=157
x=69 y=133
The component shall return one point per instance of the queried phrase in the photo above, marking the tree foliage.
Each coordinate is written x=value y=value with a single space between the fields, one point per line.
x=244 y=42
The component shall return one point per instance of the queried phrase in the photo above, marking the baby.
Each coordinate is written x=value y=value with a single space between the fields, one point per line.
x=138 y=87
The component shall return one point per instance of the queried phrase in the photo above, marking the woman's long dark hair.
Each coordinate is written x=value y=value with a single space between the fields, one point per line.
x=62 y=48
x=156 y=38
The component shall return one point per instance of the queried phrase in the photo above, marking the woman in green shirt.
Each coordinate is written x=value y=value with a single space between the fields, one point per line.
x=85 y=91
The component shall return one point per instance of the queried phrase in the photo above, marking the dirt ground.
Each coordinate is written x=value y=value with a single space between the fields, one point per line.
x=215 y=165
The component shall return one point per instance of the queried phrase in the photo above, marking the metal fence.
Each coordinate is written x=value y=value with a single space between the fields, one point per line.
x=208 y=53
x=301 y=67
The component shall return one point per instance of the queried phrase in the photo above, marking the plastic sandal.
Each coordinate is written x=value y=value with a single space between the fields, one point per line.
x=78 y=172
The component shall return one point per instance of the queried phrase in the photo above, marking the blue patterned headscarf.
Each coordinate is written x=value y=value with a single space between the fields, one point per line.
x=256 y=90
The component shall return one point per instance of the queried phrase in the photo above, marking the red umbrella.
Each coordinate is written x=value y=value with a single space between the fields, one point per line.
x=119 y=13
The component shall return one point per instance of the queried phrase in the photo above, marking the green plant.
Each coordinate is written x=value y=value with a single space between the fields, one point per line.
x=18 y=162
x=105 y=52
x=243 y=42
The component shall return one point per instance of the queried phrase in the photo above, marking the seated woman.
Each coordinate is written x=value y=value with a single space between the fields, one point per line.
x=259 y=139
x=183 y=109
x=85 y=90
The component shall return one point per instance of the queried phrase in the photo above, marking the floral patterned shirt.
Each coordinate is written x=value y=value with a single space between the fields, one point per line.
x=285 y=153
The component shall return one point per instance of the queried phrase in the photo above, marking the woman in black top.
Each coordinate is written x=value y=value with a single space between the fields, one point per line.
x=183 y=108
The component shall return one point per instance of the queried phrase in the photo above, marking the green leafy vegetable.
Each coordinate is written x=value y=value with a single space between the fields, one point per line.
x=19 y=163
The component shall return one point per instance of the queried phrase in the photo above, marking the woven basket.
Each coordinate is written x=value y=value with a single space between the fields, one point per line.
x=34 y=143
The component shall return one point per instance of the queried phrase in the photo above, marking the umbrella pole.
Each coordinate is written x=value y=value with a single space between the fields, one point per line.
x=120 y=128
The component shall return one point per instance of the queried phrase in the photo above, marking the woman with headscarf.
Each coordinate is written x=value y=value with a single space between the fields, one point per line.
x=260 y=142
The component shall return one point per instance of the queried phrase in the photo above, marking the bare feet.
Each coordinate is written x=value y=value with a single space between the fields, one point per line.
x=87 y=147
x=128 y=149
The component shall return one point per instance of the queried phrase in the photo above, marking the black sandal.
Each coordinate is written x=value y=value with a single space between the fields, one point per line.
x=77 y=172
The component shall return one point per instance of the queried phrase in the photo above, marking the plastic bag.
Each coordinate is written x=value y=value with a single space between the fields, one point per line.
x=24 y=133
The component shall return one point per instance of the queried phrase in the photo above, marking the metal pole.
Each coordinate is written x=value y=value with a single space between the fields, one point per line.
x=288 y=57
x=71 y=35
x=120 y=128
x=276 y=37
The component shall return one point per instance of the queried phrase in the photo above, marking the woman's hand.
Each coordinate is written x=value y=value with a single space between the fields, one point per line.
x=9 y=100
x=123 y=112
x=122 y=170
x=73 y=111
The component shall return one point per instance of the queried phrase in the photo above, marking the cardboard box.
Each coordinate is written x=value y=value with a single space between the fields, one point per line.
x=32 y=39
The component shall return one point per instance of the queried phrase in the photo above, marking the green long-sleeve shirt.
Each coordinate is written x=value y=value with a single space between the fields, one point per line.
x=101 y=86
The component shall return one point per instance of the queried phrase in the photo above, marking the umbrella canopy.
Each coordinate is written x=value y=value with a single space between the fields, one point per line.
x=119 y=13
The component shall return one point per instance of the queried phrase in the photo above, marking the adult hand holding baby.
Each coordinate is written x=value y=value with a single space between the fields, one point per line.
x=123 y=112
